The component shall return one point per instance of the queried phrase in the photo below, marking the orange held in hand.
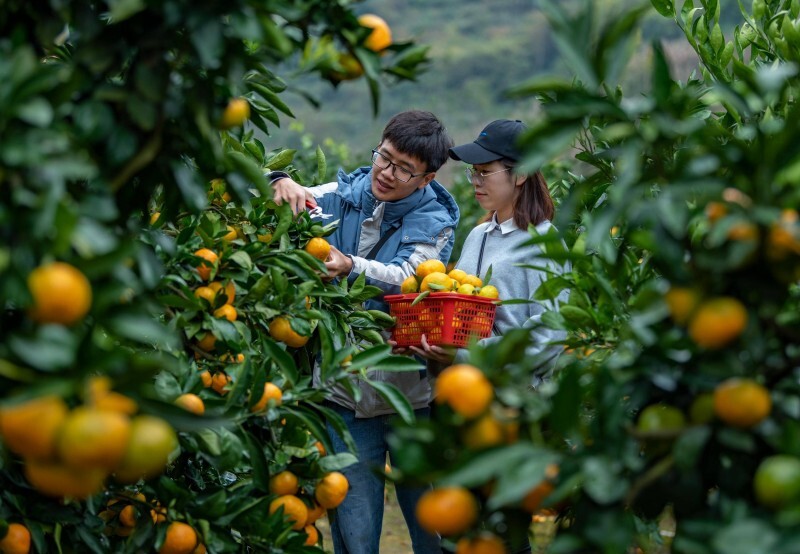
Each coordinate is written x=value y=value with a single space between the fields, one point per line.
x=61 y=294
x=319 y=248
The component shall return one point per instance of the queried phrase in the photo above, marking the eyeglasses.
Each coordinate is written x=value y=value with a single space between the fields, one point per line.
x=476 y=176
x=400 y=173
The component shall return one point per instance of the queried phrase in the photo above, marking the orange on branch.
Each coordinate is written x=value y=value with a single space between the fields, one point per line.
x=191 y=403
x=681 y=302
x=30 y=429
x=717 y=322
x=17 y=540
x=226 y=311
x=236 y=113
x=92 y=438
x=61 y=294
x=283 y=483
x=230 y=290
x=294 y=510
x=465 y=389
x=271 y=392
x=447 y=511
x=331 y=490
x=484 y=543
x=210 y=259
x=181 y=538
x=312 y=537
x=59 y=480
x=381 y=36
x=151 y=442
x=281 y=330
x=742 y=402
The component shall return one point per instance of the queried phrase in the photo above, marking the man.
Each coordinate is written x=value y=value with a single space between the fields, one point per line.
x=393 y=215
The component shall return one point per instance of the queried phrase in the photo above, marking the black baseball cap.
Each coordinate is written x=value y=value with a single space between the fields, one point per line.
x=497 y=140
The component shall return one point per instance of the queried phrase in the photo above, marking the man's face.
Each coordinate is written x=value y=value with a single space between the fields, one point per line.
x=390 y=168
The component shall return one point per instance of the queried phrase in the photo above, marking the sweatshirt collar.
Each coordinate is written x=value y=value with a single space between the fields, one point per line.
x=505 y=227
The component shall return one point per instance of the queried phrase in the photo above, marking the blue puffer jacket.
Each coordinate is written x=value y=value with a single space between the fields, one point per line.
x=425 y=223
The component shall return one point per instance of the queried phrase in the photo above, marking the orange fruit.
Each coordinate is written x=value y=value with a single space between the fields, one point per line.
x=717 y=322
x=92 y=438
x=219 y=381
x=473 y=280
x=294 y=510
x=741 y=402
x=61 y=293
x=230 y=290
x=457 y=274
x=236 y=113
x=266 y=237
x=151 y=442
x=351 y=67
x=681 y=302
x=315 y=513
x=331 y=490
x=465 y=389
x=485 y=543
x=281 y=330
x=17 y=540
x=154 y=217
x=319 y=248
x=436 y=282
x=313 y=535
x=205 y=378
x=30 y=429
x=116 y=402
x=466 y=288
x=207 y=342
x=660 y=417
x=181 y=538
x=58 y=480
x=205 y=267
x=206 y=293
x=283 y=483
x=226 y=311
x=191 y=403
x=715 y=211
x=489 y=291
x=743 y=232
x=158 y=515
x=271 y=392
x=534 y=497
x=430 y=266
x=320 y=448
x=127 y=516
x=485 y=432
x=777 y=481
x=409 y=285
x=231 y=234
x=447 y=511
x=381 y=35
x=200 y=549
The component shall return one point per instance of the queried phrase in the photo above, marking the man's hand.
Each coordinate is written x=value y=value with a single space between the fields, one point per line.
x=442 y=355
x=286 y=190
x=338 y=264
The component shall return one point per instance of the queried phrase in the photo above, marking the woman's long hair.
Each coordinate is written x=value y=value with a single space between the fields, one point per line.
x=533 y=204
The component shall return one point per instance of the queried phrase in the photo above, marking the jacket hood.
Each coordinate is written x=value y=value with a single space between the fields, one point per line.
x=424 y=213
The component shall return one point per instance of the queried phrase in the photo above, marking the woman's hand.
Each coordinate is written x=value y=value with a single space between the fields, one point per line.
x=439 y=354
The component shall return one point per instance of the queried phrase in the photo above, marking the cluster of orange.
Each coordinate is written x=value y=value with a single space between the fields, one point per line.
x=300 y=510
x=122 y=514
x=70 y=452
x=431 y=275
x=452 y=511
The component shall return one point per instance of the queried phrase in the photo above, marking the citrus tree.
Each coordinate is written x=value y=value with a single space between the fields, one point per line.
x=673 y=410
x=111 y=111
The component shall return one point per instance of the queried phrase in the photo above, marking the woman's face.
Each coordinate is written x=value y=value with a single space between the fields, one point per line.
x=496 y=192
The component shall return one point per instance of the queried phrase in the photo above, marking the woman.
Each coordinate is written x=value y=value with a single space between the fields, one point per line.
x=513 y=201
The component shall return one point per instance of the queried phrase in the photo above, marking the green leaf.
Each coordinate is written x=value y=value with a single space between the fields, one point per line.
x=484 y=467
x=144 y=329
x=121 y=10
x=36 y=111
x=603 y=481
x=336 y=462
x=395 y=399
x=272 y=98
x=51 y=348
x=283 y=359
x=258 y=462
x=664 y=7
x=748 y=536
x=371 y=356
x=322 y=166
x=167 y=386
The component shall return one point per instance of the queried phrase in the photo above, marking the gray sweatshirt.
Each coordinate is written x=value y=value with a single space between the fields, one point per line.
x=504 y=253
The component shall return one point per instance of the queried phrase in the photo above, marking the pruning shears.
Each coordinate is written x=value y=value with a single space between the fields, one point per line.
x=316 y=211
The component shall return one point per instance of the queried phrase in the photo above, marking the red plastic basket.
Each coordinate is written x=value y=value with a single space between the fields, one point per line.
x=445 y=318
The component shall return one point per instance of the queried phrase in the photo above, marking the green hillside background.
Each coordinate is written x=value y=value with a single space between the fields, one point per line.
x=478 y=49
